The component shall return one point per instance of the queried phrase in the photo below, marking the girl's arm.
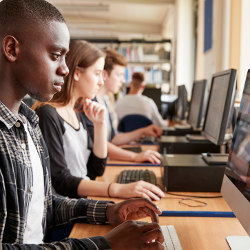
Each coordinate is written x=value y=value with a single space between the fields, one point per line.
x=134 y=189
x=96 y=114
x=125 y=138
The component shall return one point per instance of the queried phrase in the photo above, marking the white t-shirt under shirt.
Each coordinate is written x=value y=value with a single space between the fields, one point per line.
x=75 y=144
x=34 y=230
x=139 y=104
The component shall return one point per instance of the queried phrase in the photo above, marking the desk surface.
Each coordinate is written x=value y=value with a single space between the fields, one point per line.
x=194 y=232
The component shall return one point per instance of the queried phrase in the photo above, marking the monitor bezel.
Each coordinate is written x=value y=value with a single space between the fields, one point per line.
x=234 y=197
x=182 y=89
x=231 y=190
x=197 y=124
x=155 y=94
x=227 y=107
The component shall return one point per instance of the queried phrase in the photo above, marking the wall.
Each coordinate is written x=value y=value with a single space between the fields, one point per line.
x=244 y=44
x=230 y=44
x=184 y=44
x=235 y=36
x=200 y=59
x=217 y=58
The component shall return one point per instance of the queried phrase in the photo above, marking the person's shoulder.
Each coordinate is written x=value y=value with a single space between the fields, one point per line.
x=46 y=110
x=127 y=98
x=122 y=100
x=47 y=107
x=147 y=99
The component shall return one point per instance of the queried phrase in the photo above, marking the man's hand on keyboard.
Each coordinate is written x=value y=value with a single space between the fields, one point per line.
x=136 y=235
x=136 y=189
x=148 y=155
x=152 y=130
x=132 y=209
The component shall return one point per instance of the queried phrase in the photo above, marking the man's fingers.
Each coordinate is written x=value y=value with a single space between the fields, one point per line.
x=141 y=203
x=142 y=213
x=153 y=246
x=151 y=214
x=154 y=235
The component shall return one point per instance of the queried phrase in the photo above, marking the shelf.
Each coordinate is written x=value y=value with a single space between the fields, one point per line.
x=150 y=63
x=117 y=41
x=153 y=58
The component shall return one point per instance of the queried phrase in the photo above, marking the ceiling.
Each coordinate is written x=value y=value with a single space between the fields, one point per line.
x=129 y=19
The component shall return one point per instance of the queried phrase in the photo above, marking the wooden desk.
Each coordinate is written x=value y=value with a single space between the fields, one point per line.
x=195 y=233
x=143 y=147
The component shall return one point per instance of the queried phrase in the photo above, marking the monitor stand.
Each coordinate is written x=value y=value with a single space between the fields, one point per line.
x=215 y=159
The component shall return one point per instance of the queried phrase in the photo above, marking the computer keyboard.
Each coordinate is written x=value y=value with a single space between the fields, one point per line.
x=183 y=126
x=149 y=139
x=127 y=176
x=197 y=138
x=171 y=239
x=133 y=149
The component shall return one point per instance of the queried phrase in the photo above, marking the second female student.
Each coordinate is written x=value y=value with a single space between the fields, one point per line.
x=75 y=159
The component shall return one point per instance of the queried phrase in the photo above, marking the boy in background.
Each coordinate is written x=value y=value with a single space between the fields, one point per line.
x=136 y=103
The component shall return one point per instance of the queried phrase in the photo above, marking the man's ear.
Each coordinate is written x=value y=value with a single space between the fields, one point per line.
x=143 y=86
x=11 y=48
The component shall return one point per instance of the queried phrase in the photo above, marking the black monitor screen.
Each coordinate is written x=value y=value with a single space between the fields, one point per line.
x=220 y=103
x=239 y=158
x=181 y=102
x=155 y=94
x=196 y=104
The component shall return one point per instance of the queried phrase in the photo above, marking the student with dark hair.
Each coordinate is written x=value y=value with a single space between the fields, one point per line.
x=34 y=41
x=113 y=76
x=75 y=160
x=136 y=103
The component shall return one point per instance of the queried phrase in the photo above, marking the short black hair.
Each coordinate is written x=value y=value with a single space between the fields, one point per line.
x=18 y=12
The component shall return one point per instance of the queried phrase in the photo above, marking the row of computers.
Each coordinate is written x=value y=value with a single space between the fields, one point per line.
x=199 y=172
x=198 y=103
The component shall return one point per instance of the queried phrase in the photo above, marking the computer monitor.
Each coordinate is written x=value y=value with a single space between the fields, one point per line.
x=220 y=104
x=197 y=103
x=236 y=186
x=155 y=94
x=181 y=105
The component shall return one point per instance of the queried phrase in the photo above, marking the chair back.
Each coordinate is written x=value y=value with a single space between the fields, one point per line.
x=131 y=122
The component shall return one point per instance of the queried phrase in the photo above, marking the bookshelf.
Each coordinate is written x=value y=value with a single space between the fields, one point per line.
x=153 y=58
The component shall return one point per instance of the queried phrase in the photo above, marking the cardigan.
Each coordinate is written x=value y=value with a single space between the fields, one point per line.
x=53 y=129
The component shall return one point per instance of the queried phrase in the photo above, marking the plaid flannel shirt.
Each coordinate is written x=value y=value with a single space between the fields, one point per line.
x=16 y=189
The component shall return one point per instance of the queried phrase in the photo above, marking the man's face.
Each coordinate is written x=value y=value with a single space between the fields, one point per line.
x=41 y=68
x=115 y=79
